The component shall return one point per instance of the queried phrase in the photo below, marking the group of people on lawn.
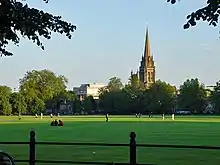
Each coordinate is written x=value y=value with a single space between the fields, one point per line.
x=57 y=123
x=60 y=123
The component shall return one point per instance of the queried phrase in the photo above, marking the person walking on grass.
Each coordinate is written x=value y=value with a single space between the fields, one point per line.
x=163 y=116
x=139 y=115
x=41 y=115
x=106 y=117
x=150 y=114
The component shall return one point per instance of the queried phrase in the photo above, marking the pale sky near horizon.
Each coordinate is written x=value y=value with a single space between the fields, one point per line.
x=109 y=41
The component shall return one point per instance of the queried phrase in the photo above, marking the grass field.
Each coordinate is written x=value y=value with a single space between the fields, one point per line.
x=184 y=130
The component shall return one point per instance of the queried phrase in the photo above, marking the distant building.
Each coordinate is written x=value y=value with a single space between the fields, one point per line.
x=147 y=72
x=88 y=90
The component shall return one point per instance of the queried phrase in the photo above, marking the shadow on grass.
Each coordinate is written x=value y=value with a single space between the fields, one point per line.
x=160 y=156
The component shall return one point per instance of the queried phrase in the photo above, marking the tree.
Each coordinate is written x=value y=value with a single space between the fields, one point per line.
x=88 y=104
x=209 y=13
x=192 y=95
x=112 y=97
x=40 y=86
x=44 y=83
x=5 y=107
x=18 y=103
x=215 y=96
x=36 y=105
x=105 y=100
x=77 y=106
x=64 y=96
x=116 y=102
x=134 y=90
x=159 y=97
x=134 y=83
x=114 y=84
x=17 y=17
x=102 y=91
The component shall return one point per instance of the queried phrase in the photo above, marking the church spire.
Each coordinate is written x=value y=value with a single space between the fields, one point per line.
x=147 y=46
x=147 y=68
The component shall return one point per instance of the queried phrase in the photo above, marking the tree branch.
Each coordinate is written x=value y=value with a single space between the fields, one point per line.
x=16 y=17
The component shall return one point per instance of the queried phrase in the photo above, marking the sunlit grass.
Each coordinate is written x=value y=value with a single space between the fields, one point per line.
x=188 y=130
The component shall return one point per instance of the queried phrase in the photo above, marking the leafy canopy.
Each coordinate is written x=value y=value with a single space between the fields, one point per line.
x=44 y=84
x=5 y=108
x=215 y=96
x=38 y=87
x=160 y=97
x=18 y=104
x=192 y=95
x=18 y=18
x=115 y=84
x=209 y=13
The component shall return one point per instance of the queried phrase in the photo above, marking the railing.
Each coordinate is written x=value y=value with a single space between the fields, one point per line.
x=132 y=147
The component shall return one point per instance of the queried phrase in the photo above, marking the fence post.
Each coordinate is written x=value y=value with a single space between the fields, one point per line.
x=32 y=148
x=132 y=148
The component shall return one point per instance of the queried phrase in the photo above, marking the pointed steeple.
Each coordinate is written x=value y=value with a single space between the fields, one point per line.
x=147 y=46
x=147 y=68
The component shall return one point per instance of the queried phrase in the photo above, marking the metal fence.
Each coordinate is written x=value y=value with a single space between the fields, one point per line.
x=132 y=146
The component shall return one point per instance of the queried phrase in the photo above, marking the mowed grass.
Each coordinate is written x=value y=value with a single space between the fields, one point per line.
x=184 y=130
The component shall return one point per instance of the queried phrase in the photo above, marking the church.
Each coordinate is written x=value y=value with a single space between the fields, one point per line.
x=146 y=72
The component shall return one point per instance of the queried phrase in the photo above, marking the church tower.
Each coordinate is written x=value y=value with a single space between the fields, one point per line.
x=147 y=73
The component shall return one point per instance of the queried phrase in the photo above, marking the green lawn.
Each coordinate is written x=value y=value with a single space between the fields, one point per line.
x=184 y=130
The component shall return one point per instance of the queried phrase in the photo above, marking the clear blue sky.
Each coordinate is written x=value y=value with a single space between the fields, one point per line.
x=109 y=41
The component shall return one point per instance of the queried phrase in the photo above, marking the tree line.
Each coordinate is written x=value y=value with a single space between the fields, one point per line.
x=38 y=91
x=161 y=97
x=44 y=91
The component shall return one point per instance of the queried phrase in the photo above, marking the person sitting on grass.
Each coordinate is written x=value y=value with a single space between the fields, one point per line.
x=56 y=122
x=52 y=123
x=60 y=123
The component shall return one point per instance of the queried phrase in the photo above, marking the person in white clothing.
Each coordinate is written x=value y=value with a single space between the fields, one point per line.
x=41 y=115
x=172 y=116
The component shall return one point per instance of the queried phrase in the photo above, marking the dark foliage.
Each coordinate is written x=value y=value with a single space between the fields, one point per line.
x=18 y=19
x=209 y=13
